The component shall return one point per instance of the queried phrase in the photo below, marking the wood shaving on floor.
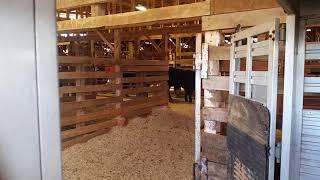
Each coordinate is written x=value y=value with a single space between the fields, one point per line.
x=159 y=146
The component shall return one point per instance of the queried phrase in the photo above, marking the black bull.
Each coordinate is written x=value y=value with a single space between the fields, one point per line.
x=182 y=78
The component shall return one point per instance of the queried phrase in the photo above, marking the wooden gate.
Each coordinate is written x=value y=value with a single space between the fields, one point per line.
x=259 y=43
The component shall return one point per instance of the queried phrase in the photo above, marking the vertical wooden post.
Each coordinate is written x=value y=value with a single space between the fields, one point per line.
x=133 y=5
x=131 y=50
x=79 y=82
x=166 y=48
x=98 y=10
x=178 y=50
x=117 y=58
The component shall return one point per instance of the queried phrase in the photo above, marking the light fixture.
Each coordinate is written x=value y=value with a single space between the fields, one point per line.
x=308 y=30
x=141 y=7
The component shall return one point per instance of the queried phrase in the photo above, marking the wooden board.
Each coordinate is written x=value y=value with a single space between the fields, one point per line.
x=144 y=90
x=145 y=79
x=145 y=63
x=88 y=88
x=229 y=6
x=87 y=75
x=87 y=129
x=70 y=106
x=245 y=19
x=106 y=114
x=248 y=137
x=216 y=83
x=68 y=4
x=85 y=60
x=138 y=17
x=219 y=53
x=144 y=68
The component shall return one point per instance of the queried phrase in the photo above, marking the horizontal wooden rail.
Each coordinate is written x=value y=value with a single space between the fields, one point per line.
x=143 y=90
x=87 y=129
x=70 y=106
x=88 y=88
x=144 y=68
x=87 y=75
x=85 y=60
x=145 y=79
x=106 y=114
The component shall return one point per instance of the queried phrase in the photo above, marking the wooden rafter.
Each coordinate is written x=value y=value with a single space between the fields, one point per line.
x=104 y=40
x=153 y=43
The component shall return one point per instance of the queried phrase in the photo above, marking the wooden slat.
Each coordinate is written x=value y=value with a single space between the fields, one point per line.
x=219 y=53
x=87 y=88
x=143 y=90
x=149 y=104
x=145 y=63
x=86 y=75
x=185 y=53
x=106 y=114
x=144 y=68
x=138 y=17
x=188 y=62
x=69 y=106
x=84 y=138
x=85 y=60
x=144 y=79
x=140 y=100
x=87 y=129
x=216 y=83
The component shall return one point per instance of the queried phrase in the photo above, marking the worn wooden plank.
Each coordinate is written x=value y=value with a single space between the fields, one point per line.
x=145 y=63
x=105 y=114
x=219 y=53
x=144 y=79
x=144 y=68
x=85 y=60
x=87 y=129
x=87 y=75
x=84 y=138
x=216 y=83
x=143 y=90
x=88 y=88
x=149 y=104
x=69 y=106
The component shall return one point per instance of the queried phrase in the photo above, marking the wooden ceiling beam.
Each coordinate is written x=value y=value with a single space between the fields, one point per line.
x=138 y=17
x=245 y=19
x=72 y=4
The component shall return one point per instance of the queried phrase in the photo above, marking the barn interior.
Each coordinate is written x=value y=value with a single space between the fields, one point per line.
x=164 y=89
x=115 y=59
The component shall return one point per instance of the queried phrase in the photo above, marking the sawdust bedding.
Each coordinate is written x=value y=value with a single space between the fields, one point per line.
x=159 y=146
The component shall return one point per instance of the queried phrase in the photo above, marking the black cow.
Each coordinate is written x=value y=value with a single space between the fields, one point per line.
x=182 y=78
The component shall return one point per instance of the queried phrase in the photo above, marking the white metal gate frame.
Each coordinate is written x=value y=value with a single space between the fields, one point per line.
x=270 y=48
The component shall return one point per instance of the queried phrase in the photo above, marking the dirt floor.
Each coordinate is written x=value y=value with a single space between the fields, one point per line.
x=159 y=146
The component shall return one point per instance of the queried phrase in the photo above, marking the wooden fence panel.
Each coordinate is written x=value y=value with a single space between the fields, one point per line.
x=90 y=98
